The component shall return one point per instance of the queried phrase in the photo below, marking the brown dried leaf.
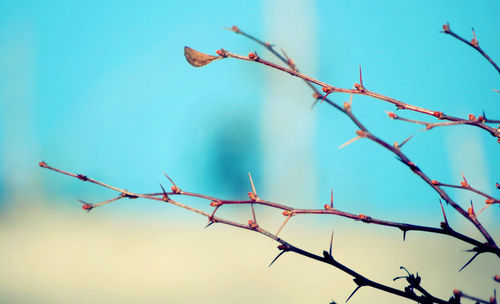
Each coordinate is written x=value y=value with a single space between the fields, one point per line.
x=198 y=59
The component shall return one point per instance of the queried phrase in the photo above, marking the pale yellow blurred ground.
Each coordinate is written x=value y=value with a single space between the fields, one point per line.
x=49 y=256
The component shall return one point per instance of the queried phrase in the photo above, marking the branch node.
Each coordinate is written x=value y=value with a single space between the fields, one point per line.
x=82 y=177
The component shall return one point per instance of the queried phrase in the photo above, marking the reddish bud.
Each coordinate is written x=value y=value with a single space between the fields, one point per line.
x=43 y=164
x=327 y=89
x=481 y=118
x=215 y=204
x=358 y=86
x=474 y=42
x=470 y=211
x=497 y=185
x=446 y=27
x=464 y=184
x=434 y=182
x=281 y=247
x=87 y=207
x=286 y=213
x=252 y=224
x=175 y=189
x=457 y=293
x=252 y=196
x=362 y=217
x=252 y=56
x=472 y=117
x=326 y=206
x=235 y=29
x=316 y=96
x=439 y=115
x=392 y=115
x=497 y=278
x=489 y=201
x=219 y=52
x=361 y=133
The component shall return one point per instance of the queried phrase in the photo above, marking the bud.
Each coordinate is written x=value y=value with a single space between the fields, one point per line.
x=235 y=29
x=434 y=182
x=175 y=189
x=43 y=164
x=481 y=119
x=286 y=213
x=252 y=196
x=439 y=115
x=326 y=206
x=252 y=56
x=316 y=96
x=358 y=86
x=497 y=278
x=252 y=224
x=474 y=42
x=446 y=27
x=457 y=293
x=464 y=184
x=87 y=207
x=215 y=204
x=472 y=117
x=327 y=89
x=489 y=201
x=361 y=133
x=470 y=211
x=497 y=185
x=392 y=115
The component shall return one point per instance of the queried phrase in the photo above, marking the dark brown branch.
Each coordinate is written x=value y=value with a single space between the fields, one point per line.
x=473 y=43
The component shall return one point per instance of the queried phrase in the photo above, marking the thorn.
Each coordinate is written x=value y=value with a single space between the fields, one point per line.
x=331 y=198
x=444 y=214
x=469 y=261
x=274 y=260
x=474 y=40
x=251 y=182
x=331 y=243
x=360 y=76
x=165 y=196
x=174 y=187
x=284 y=223
x=406 y=140
x=404 y=235
x=353 y=293
x=209 y=223
x=349 y=142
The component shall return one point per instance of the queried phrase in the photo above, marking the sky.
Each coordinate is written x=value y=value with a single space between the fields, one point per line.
x=103 y=89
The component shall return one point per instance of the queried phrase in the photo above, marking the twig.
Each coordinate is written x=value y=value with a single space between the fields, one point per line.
x=473 y=43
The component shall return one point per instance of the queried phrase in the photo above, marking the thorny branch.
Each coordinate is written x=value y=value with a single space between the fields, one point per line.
x=199 y=59
x=473 y=43
x=363 y=132
x=284 y=246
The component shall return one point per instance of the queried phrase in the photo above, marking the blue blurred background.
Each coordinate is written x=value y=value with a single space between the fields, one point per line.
x=103 y=89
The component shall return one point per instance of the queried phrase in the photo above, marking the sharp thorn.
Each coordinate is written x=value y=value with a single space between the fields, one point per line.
x=469 y=261
x=353 y=293
x=331 y=243
x=276 y=257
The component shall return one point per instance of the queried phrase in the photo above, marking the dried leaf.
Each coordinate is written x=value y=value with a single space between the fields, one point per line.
x=198 y=59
